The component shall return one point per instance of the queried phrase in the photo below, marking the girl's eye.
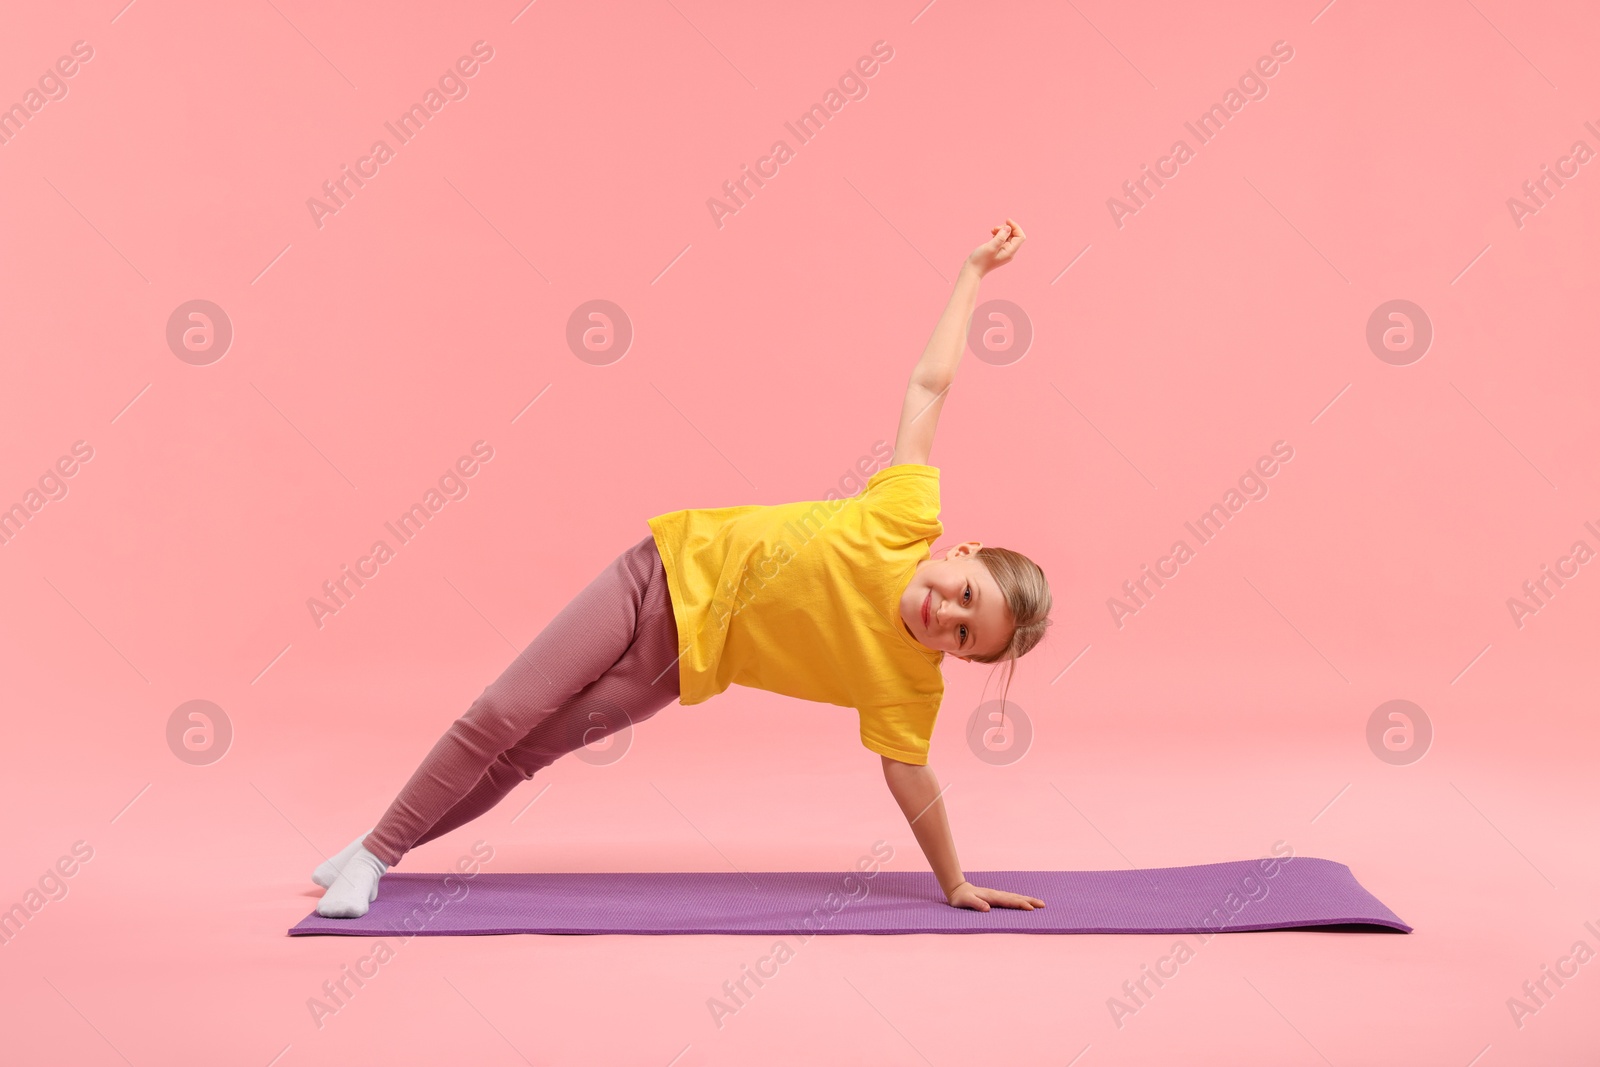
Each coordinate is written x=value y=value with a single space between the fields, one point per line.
x=967 y=595
x=963 y=635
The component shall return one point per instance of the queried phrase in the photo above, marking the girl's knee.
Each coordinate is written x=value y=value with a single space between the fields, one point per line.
x=494 y=717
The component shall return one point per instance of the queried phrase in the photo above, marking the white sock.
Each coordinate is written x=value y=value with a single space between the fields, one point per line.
x=329 y=869
x=353 y=892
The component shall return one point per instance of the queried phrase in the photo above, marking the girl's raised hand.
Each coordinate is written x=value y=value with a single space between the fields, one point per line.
x=999 y=249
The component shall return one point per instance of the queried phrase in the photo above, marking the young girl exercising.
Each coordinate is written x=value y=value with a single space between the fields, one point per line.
x=838 y=601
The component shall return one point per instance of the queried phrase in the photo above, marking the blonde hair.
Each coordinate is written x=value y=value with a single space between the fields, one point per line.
x=1027 y=594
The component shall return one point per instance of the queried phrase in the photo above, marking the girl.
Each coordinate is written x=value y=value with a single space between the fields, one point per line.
x=836 y=600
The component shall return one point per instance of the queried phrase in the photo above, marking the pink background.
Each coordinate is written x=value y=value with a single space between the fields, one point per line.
x=769 y=356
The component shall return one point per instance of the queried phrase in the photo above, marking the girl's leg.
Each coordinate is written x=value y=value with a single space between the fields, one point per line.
x=585 y=719
x=613 y=648
x=497 y=781
x=616 y=641
x=595 y=713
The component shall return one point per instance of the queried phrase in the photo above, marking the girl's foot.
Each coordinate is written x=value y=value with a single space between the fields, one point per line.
x=353 y=892
x=329 y=869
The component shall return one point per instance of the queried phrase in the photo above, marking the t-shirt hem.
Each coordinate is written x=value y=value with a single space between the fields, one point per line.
x=669 y=565
x=919 y=759
x=901 y=468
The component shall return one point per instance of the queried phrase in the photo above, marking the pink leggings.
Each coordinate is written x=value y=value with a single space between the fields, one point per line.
x=607 y=659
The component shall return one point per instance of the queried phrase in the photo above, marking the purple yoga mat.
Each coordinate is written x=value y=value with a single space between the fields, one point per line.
x=1215 y=897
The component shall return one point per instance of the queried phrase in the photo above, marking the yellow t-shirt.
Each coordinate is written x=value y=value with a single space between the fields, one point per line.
x=804 y=599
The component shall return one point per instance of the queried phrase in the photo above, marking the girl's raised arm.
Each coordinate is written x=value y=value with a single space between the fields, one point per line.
x=936 y=370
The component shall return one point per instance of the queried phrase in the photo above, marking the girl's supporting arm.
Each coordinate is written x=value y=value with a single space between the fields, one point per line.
x=916 y=790
x=936 y=370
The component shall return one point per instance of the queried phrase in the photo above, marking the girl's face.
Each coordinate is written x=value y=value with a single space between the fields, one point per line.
x=953 y=605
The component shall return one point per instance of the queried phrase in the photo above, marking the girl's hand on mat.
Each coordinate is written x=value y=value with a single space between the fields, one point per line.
x=999 y=249
x=967 y=895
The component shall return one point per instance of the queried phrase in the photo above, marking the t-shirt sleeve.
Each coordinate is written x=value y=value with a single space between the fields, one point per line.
x=904 y=499
x=899 y=731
